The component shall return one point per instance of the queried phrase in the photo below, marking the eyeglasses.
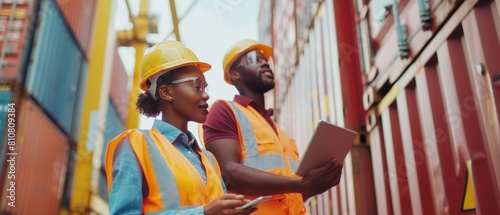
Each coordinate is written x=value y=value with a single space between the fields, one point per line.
x=199 y=87
x=253 y=57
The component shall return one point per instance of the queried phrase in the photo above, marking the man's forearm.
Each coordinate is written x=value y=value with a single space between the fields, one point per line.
x=247 y=180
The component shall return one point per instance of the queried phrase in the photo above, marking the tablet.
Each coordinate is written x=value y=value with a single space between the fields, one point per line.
x=328 y=141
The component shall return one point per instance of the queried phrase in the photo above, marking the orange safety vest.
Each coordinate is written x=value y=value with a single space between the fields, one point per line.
x=263 y=149
x=173 y=182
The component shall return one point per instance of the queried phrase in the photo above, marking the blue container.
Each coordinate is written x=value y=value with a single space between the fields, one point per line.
x=56 y=64
x=5 y=99
x=113 y=127
x=82 y=84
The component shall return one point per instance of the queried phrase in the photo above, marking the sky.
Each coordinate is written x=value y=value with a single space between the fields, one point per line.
x=209 y=29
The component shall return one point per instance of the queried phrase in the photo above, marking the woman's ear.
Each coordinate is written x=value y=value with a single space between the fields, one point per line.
x=165 y=92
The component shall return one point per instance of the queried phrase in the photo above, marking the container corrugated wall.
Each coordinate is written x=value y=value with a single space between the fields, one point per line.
x=318 y=87
x=284 y=34
x=266 y=22
x=119 y=91
x=434 y=115
x=14 y=32
x=432 y=90
x=56 y=64
x=42 y=154
x=80 y=17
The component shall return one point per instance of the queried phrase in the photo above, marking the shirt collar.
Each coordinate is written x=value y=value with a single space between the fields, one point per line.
x=245 y=101
x=172 y=133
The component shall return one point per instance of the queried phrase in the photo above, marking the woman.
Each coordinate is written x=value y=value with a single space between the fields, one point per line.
x=162 y=170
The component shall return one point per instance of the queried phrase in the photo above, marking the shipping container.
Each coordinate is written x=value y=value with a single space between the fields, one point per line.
x=265 y=22
x=305 y=11
x=434 y=123
x=79 y=15
x=284 y=34
x=54 y=73
x=5 y=100
x=316 y=89
x=16 y=27
x=79 y=105
x=69 y=180
x=113 y=127
x=37 y=165
x=431 y=93
x=119 y=92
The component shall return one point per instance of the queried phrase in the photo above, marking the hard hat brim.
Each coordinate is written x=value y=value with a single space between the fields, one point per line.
x=266 y=50
x=204 y=67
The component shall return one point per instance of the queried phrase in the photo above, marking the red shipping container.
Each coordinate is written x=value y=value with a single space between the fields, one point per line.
x=40 y=163
x=433 y=126
x=14 y=26
x=435 y=132
x=118 y=92
x=80 y=16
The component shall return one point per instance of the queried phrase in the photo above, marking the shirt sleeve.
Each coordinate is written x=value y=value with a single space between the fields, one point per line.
x=128 y=188
x=126 y=193
x=220 y=123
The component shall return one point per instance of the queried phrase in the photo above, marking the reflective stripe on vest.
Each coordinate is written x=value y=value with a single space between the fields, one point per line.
x=280 y=157
x=293 y=164
x=163 y=172
x=253 y=159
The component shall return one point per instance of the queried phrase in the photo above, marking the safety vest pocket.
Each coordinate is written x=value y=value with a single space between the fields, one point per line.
x=267 y=141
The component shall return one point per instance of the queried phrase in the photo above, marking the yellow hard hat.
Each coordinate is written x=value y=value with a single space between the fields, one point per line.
x=166 y=56
x=240 y=48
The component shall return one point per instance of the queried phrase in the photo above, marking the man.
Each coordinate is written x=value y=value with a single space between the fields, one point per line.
x=256 y=157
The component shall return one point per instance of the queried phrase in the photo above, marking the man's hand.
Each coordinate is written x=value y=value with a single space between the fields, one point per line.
x=226 y=205
x=320 y=179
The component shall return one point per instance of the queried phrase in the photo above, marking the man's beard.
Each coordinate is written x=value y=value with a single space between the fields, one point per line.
x=256 y=82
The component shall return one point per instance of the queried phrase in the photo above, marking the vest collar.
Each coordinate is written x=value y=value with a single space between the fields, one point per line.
x=173 y=134
x=245 y=101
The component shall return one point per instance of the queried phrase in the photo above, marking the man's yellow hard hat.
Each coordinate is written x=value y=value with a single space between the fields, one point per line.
x=166 y=56
x=240 y=48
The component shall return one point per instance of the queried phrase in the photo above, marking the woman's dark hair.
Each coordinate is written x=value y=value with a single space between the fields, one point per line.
x=146 y=104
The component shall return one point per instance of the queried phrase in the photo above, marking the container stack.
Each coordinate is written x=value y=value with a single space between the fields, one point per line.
x=45 y=47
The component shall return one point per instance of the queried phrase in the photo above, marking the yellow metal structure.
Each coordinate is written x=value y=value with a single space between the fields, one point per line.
x=94 y=107
x=143 y=25
x=175 y=20
x=133 y=114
